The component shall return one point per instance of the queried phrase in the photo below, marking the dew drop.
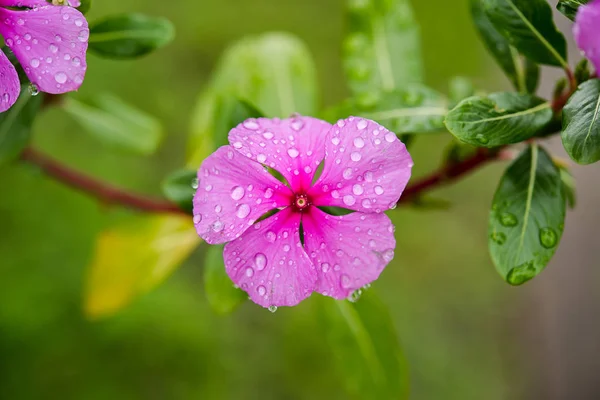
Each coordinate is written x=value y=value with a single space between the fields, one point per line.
x=268 y=193
x=261 y=158
x=243 y=210
x=34 y=62
x=260 y=260
x=498 y=238
x=197 y=219
x=250 y=124
x=218 y=208
x=349 y=200
x=359 y=143
x=335 y=141
x=347 y=174
x=218 y=226
x=366 y=203
x=335 y=194
x=60 y=77
x=357 y=189
x=293 y=152
x=355 y=156
x=482 y=139
x=268 y=135
x=508 y=219
x=272 y=308
x=548 y=237
x=261 y=290
x=249 y=272
x=390 y=137
x=286 y=248
x=237 y=193
x=325 y=267
x=378 y=190
x=362 y=124
x=270 y=236
x=388 y=255
x=345 y=281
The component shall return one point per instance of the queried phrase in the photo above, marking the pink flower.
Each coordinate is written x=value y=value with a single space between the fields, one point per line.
x=50 y=43
x=366 y=169
x=587 y=31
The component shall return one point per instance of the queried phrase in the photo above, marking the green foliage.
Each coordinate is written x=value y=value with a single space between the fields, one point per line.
x=116 y=123
x=382 y=50
x=85 y=6
x=179 y=187
x=581 y=123
x=363 y=340
x=569 y=7
x=523 y=74
x=222 y=296
x=129 y=36
x=134 y=257
x=15 y=125
x=273 y=73
x=498 y=119
x=528 y=26
x=568 y=183
x=527 y=216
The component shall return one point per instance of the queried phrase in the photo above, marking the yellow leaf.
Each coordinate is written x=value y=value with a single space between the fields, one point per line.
x=133 y=258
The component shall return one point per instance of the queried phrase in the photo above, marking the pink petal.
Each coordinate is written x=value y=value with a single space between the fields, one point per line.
x=9 y=83
x=233 y=192
x=269 y=263
x=294 y=146
x=349 y=251
x=587 y=31
x=50 y=42
x=23 y=3
x=366 y=167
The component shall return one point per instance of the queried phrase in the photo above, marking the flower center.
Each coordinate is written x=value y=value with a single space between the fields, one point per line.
x=301 y=202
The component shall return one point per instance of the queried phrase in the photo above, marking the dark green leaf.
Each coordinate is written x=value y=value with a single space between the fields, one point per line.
x=112 y=121
x=383 y=48
x=498 y=119
x=129 y=35
x=528 y=26
x=222 y=296
x=527 y=217
x=415 y=109
x=15 y=125
x=522 y=73
x=581 y=123
x=582 y=71
x=85 y=6
x=365 y=345
x=568 y=183
x=179 y=188
x=569 y=7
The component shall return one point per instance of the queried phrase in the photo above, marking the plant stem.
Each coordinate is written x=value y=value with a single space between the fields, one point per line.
x=102 y=191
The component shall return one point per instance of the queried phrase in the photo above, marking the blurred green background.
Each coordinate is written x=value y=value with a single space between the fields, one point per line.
x=459 y=323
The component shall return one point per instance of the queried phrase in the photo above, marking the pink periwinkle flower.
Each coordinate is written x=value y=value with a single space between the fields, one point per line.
x=587 y=31
x=365 y=170
x=50 y=42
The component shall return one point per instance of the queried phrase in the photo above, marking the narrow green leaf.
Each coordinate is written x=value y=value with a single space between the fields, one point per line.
x=527 y=216
x=112 y=121
x=581 y=123
x=129 y=35
x=222 y=295
x=15 y=125
x=568 y=183
x=383 y=48
x=498 y=119
x=365 y=345
x=528 y=26
x=520 y=71
x=179 y=188
x=273 y=73
x=569 y=7
x=133 y=258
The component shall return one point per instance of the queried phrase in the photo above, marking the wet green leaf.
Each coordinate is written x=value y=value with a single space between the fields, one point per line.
x=179 y=188
x=581 y=123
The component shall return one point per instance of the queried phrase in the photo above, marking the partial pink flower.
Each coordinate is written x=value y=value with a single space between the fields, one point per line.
x=587 y=31
x=50 y=43
x=365 y=169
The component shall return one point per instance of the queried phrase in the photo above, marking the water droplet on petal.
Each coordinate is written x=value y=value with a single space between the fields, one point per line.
x=261 y=290
x=260 y=260
x=366 y=203
x=249 y=124
x=390 y=137
x=388 y=255
x=249 y=272
x=218 y=208
x=237 y=193
x=218 y=226
x=261 y=158
x=197 y=219
x=325 y=267
x=268 y=193
x=362 y=124
x=60 y=77
x=359 y=143
x=293 y=152
x=357 y=189
x=335 y=141
x=272 y=308
x=355 y=156
x=345 y=281
x=378 y=190
x=270 y=236
x=243 y=210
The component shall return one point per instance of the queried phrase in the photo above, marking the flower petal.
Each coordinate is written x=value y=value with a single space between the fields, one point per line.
x=269 y=263
x=366 y=167
x=233 y=192
x=9 y=83
x=23 y=3
x=294 y=146
x=587 y=31
x=50 y=42
x=349 y=251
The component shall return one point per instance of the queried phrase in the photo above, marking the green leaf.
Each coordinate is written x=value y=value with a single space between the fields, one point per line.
x=222 y=295
x=383 y=48
x=528 y=26
x=415 y=109
x=527 y=217
x=498 y=119
x=85 y=6
x=133 y=258
x=569 y=7
x=568 y=184
x=273 y=73
x=15 y=125
x=364 y=343
x=112 y=121
x=129 y=35
x=522 y=73
x=179 y=188
x=581 y=123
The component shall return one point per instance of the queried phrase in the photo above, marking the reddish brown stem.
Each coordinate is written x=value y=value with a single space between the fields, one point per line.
x=102 y=191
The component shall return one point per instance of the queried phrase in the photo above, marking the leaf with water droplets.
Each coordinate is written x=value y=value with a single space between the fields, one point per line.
x=383 y=48
x=367 y=354
x=179 y=188
x=527 y=217
x=498 y=119
x=15 y=125
x=134 y=257
x=222 y=295
x=116 y=123
x=129 y=36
